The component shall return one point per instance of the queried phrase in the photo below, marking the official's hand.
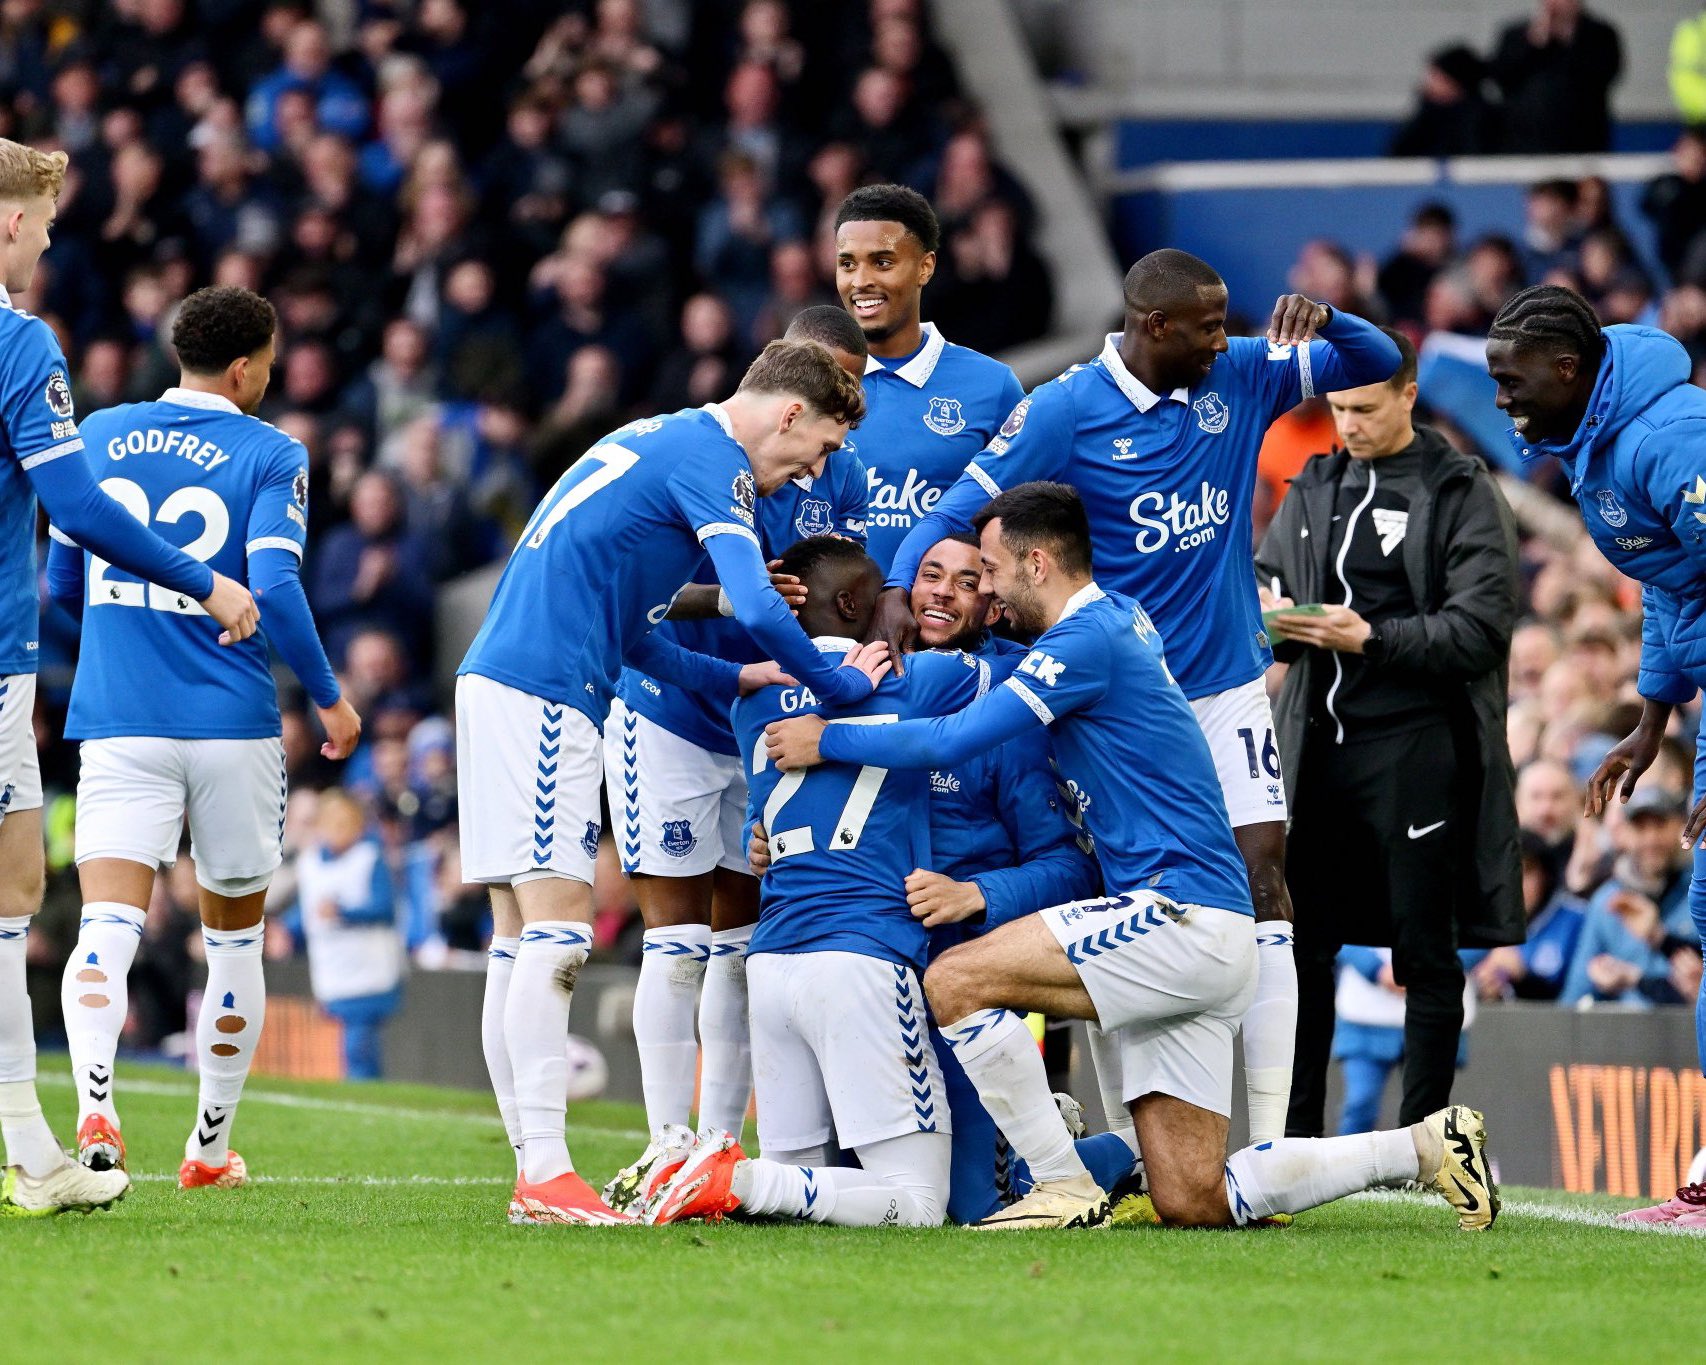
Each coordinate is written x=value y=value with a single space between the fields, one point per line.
x=1628 y=759
x=894 y=624
x=1269 y=602
x=936 y=899
x=343 y=728
x=766 y=674
x=1387 y=982
x=792 y=744
x=233 y=606
x=1296 y=320
x=793 y=591
x=758 y=850
x=1338 y=628
x=872 y=659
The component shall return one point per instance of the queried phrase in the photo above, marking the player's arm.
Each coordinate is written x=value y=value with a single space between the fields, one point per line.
x=65 y=572
x=1051 y=868
x=805 y=741
x=707 y=601
x=768 y=619
x=1330 y=350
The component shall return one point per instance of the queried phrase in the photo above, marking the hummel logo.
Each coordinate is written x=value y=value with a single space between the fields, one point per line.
x=1425 y=829
x=1122 y=447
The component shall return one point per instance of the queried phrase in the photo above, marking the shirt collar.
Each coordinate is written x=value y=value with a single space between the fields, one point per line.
x=1082 y=598
x=834 y=644
x=918 y=370
x=195 y=398
x=5 y=297
x=1130 y=385
x=721 y=413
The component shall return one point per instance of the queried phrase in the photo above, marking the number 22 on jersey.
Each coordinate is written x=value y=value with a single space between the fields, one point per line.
x=183 y=502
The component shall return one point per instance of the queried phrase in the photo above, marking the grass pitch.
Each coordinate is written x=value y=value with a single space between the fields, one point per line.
x=375 y=1230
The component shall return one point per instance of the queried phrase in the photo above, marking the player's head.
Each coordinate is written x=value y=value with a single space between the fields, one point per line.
x=1374 y=419
x=841 y=582
x=948 y=600
x=1175 y=314
x=1543 y=352
x=30 y=182
x=1034 y=541
x=224 y=336
x=834 y=330
x=793 y=407
x=885 y=253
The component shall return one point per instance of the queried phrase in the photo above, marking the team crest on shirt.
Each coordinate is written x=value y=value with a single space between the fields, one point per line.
x=589 y=839
x=58 y=395
x=815 y=518
x=1212 y=413
x=743 y=493
x=1610 y=512
x=944 y=416
x=678 y=840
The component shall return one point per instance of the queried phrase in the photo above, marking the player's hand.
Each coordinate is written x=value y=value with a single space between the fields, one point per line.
x=936 y=899
x=793 y=591
x=1630 y=758
x=233 y=606
x=758 y=850
x=1696 y=823
x=894 y=624
x=1296 y=320
x=343 y=728
x=792 y=744
x=766 y=674
x=1337 y=628
x=872 y=659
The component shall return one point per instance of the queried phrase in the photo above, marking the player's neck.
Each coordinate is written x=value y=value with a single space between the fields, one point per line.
x=1142 y=368
x=216 y=384
x=903 y=341
x=1056 y=593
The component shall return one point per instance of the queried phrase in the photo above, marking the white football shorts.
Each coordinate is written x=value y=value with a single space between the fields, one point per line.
x=20 y=768
x=1239 y=726
x=840 y=1045
x=527 y=777
x=1172 y=982
x=679 y=810
x=134 y=792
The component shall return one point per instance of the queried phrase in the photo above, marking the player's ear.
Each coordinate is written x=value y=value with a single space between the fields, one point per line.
x=790 y=414
x=1155 y=323
x=14 y=223
x=926 y=268
x=992 y=613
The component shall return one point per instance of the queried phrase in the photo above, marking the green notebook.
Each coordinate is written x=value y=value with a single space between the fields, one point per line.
x=1303 y=609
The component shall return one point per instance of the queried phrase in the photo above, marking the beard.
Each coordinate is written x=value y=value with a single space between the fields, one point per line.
x=1024 y=611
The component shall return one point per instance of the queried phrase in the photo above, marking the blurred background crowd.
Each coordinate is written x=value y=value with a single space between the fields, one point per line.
x=493 y=233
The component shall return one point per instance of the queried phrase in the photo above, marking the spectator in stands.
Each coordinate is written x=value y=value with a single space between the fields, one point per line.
x=1452 y=116
x=1427 y=246
x=737 y=231
x=1676 y=201
x=338 y=103
x=1549 y=235
x=398 y=387
x=1637 y=938
x=373 y=573
x=586 y=410
x=1555 y=71
x=994 y=287
x=349 y=924
x=1534 y=970
x=707 y=361
x=1548 y=805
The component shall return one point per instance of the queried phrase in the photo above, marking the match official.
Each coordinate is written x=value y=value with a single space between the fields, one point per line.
x=1391 y=725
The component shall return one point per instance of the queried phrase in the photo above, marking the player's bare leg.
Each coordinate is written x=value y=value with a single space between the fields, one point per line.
x=500 y=965
x=1270 y=1024
x=233 y=1010
x=556 y=937
x=979 y=992
x=725 y=1081
x=95 y=996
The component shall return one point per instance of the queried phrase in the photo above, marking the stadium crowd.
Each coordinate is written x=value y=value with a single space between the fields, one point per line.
x=490 y=238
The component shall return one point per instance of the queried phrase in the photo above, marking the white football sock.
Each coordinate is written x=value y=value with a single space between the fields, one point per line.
x=94 y=995
x=1270 y=1032
x=672 y=964
x=1001 y=1059
x=725 y=1076
x=500 y=963
x=1110 y=1081
x=1293 y=1174
x=233 y=1009
x=901 y=1181
x=29 y=1141
x=536 y=1031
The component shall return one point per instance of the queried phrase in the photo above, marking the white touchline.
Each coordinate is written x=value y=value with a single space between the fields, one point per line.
x=1553 y=1213
x=378 y=1111
x=169 y=1178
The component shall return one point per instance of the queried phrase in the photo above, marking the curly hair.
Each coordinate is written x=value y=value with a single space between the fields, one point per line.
x=25 y=172
x=220 y=324
x=892 y=204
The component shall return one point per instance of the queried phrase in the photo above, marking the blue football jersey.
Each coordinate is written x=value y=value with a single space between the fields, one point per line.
x=220 y=486
x=37 y=424
x=831 y=504
x=924 y=420
x=1167 y=481
x=606 y=551
x=844 y=838
x=1125 y=741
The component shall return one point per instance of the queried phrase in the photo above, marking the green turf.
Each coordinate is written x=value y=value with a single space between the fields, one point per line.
x=314 y=1262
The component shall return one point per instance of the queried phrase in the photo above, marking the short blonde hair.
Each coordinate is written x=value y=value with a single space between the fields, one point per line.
x=26 y=172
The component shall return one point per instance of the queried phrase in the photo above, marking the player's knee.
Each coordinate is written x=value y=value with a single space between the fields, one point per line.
x=1200 y=1205
x=951 y=986
x=21 y=889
